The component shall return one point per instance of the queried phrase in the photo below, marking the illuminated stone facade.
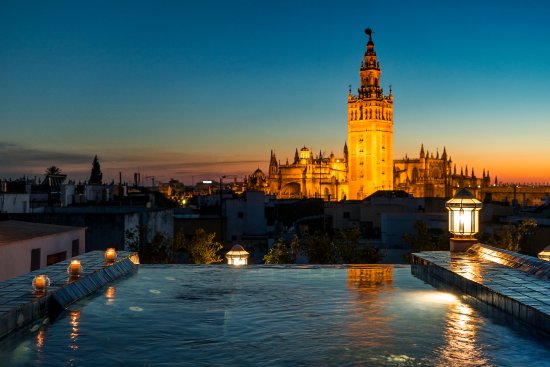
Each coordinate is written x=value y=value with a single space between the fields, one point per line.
x=370 y=131
x=368 y=165
x=363 y=169
x=309 y=176
x=435 y=176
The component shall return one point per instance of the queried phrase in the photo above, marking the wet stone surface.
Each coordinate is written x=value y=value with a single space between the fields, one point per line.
x=515 y=283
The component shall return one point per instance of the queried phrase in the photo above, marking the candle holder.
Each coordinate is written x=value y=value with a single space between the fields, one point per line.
x=110 y=255
x=75 y=269
x=40 y=283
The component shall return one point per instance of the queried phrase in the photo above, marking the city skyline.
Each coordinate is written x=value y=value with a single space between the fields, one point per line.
x=194 y=91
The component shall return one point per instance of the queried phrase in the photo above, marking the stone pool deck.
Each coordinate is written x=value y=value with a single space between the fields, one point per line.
x=20 y=305
x=514 y=283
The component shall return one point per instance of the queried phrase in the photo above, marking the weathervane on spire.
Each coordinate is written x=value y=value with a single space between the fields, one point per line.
x=369 y=33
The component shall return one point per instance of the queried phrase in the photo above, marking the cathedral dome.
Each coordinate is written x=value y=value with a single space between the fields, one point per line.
x=305 y=153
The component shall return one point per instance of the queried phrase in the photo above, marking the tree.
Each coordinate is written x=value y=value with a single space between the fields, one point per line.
x=509 y=236
x=53 y=170
x=282 y=253
x=346 y=245
x=155 y=249
x=96 y=176
x=341 y=248
x=425 y=240
x=319 y=248
x=202 y=249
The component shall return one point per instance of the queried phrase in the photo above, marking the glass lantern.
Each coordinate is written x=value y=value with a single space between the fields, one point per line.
x=463 y=214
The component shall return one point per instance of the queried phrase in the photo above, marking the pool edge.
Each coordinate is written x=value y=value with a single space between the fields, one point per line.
x=21 y=306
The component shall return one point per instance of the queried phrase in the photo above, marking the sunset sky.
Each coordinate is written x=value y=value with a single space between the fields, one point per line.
x=195 y=90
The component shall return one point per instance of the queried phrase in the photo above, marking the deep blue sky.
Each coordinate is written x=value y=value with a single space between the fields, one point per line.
x=208 y=88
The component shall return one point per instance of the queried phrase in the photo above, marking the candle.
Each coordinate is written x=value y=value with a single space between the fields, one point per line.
x=110 y=254
x=74 y=268
x=40 y=283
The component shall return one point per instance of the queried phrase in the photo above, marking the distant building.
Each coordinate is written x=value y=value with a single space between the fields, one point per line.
x=15 y=196
x=106 y=225
x=435 y=176
x=28 y=246
x=307 y=176
x=367 y=165
x=370 y=131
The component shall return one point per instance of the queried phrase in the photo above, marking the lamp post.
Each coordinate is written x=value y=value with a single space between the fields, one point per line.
x=463 y=220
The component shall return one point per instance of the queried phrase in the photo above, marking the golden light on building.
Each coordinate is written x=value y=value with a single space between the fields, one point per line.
x=463 y=219
x=110 y=255
x=74 y=269
x=237 y=256
x=40 y=283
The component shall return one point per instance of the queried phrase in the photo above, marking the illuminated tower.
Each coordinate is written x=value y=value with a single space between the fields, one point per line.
x=370 y=131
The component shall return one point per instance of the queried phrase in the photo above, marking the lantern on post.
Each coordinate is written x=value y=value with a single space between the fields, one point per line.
x=237 y=256
x=463 y=220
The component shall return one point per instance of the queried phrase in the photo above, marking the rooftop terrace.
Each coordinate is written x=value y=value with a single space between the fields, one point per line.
x=517 y=284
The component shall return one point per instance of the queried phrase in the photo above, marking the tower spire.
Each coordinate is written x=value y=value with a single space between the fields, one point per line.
x=370 y=120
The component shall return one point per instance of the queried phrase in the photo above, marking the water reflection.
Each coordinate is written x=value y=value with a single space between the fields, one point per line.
x=74 y=317
x=462 y=346
x=110 y=293
x=40 y=339
x=470 y=270
x=372 y=293
x=370 y=278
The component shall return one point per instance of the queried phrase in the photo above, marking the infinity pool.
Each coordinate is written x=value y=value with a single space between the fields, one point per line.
x=275 y=316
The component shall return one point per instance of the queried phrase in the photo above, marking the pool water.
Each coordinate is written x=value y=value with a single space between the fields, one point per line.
x=275 y=316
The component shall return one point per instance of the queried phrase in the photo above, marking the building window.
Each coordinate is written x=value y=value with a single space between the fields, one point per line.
x=240 y=214
x=76 y=248
x=55 y=258
x=346 y=215
x=35 y=259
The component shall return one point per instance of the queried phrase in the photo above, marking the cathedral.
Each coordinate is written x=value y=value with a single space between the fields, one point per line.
x=435 y=176
x=367 y=165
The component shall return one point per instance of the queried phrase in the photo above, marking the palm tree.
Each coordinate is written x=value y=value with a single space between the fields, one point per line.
x=53 y=170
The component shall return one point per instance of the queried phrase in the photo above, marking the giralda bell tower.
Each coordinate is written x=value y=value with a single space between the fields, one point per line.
x=370 y=131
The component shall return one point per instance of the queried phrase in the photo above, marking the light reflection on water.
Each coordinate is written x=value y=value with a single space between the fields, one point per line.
x=269 y=316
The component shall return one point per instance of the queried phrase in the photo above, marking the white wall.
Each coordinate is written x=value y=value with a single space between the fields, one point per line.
x=253 y=221
x=15 y=203
x=15 y=257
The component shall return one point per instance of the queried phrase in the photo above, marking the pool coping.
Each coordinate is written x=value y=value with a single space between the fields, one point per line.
x=21 y=306
x=505 y=285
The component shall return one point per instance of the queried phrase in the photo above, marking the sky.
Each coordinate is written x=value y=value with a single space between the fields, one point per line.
x=195 y=90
